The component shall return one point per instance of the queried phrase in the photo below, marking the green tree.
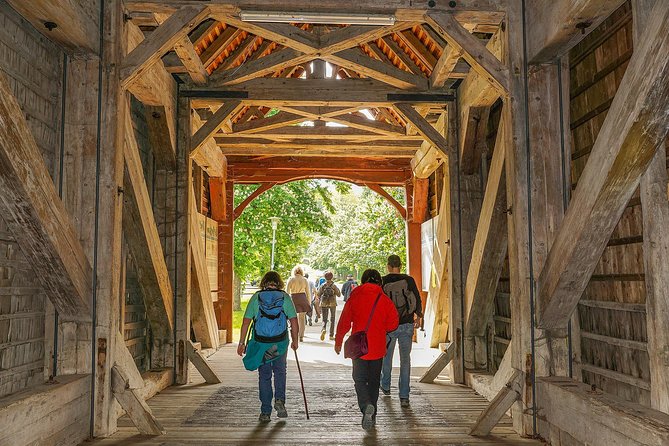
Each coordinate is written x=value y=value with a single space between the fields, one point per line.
x=365 y=230
x=304 y=208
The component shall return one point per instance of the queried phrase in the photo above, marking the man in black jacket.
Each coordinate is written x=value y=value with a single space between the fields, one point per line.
x=402 y=290
x=348 y=287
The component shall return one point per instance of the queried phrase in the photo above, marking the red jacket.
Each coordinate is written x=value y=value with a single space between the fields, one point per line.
x=356 y=311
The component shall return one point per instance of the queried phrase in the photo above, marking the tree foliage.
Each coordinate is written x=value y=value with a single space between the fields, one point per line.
x=304 y=208
x=365 y=230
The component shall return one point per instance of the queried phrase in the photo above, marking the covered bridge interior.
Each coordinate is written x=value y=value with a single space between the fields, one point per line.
x=531 y=135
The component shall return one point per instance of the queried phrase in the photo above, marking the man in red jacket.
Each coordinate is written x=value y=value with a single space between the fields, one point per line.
x=368 y=305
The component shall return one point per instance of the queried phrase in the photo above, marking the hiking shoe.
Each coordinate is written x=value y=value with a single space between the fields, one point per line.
x=404 y=402
x=280 y=407
x=384 y=391
x=368 y=417
x=323 y=335
x=264 y=418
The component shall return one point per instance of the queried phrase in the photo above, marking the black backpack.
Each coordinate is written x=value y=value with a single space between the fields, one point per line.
x=404 y=299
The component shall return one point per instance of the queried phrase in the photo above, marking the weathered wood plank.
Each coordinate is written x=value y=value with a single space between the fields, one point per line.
x=498 y=406
x=135 y=406
x=490 y=245
x=201 y=364
x=556 y=27
x=625 y=146
x=473 y=51
x=424 y=128
x=143 y=240
x=37 y=217
x=439 y=364
x=213 y=124
x=207 y=155
x=164 y=38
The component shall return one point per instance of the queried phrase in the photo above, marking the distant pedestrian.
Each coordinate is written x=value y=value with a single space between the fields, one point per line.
x=298 y=288
x=328 y=294
x=269 y=308
x=368 y=308
x=348 y=286
x=315 y=302
x=402 y=290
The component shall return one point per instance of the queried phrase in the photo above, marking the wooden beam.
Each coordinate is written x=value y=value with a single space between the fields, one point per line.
x=445 y=66
x=203 y=318
x=37 y=217
x=160 y=136
x=143 y=240
x=281 y=92
x=420 y=191
x=473 y=51
x=201 y=364
x=474 y=135
x=625 y=146
x=423 y=127
x=213 y=51
x=138 y=411
x=498 y=406
x=77 y=23
x=490 y=246
x=164 y=38
x=273 y=122
x=555 y=28
x=397 y=178
x=226 y=230
x=655 y=210
x=384 y=193
x=213 y=124
x=252 y=196
x=207 y=155
x=123 y=358
x=438 y=365
x=185 y=51
x=217 y=198
x=428 y=158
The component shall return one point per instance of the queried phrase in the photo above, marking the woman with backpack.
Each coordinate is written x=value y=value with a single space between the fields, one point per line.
x=328 y=294
x=367 y=310
x=298 y=288
x=269 y=309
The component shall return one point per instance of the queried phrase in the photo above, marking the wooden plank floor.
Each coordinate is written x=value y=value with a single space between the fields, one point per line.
x=227 y=413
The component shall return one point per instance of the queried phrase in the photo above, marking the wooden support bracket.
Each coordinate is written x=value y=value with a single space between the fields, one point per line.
x=201 y=364
x=498 y=406
x=439 y=364
x=136 y=408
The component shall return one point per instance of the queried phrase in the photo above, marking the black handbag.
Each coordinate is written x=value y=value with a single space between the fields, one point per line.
x=356 y=344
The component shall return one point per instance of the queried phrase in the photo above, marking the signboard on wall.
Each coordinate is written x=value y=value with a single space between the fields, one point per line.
x=209 y=241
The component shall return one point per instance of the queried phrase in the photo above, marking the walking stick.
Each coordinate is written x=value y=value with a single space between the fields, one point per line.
x=304 y=395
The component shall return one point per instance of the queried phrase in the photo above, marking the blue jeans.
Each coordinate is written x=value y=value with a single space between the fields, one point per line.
x=265 y=371
x=402 y=336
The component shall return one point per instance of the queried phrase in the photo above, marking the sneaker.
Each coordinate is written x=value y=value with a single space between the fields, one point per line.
x=280 y=407
x=368 y=417
x=404 y=402
x=264 y=418
x=323 y=335
x=310 y=324
x=332 y=338
x=384 y=391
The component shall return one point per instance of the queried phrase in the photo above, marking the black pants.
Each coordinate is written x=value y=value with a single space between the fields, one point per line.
x=367 y=377
x=331 y=311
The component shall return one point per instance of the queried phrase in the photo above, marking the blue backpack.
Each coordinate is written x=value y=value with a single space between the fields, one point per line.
x=270 y=324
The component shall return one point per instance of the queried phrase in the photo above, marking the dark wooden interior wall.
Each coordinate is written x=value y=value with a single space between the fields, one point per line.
x=34 y=68
x=612 y=309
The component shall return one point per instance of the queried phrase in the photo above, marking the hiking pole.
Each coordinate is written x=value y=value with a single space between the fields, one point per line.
x=304 y=395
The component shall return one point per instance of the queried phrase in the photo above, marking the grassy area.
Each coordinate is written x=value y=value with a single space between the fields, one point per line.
x=238 y=316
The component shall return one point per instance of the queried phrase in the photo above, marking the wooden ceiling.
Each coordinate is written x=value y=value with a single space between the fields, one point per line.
x=410 y=55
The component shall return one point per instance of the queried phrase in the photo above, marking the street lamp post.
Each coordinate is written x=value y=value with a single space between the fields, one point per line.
x=275 y=224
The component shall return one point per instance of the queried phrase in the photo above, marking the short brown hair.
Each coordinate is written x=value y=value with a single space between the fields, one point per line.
x=271 y=278
x=394 y=261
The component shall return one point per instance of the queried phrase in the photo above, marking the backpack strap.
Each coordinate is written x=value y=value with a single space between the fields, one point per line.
x=369 y=321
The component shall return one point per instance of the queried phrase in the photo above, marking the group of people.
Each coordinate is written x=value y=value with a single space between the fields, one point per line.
x=387 y=308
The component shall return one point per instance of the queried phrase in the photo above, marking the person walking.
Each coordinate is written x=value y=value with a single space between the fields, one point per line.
x=328 y=294
x=368 y=309
x=269 y=309
x=315 y=302
x=402 y=290
x=348 y=287
x=298 y=288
